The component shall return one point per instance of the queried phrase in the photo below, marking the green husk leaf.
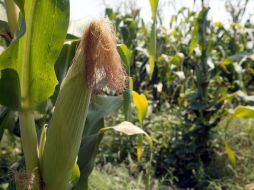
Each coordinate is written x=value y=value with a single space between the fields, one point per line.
x=66 y=128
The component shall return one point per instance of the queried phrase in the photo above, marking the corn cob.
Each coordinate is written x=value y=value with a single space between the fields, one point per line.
x=95 y=65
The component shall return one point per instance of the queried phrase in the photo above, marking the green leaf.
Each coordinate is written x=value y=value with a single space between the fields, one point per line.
x=219 y=25
x=5 y=37
x=230 y=154
x=63 y=63
x=153 y=36
x=101 y=107
x=151 y=64
x=194 y=38
x=152 y=48
x=177 y=59
x=125 y=55
x=72 y=38
x=20 y=4
x=110 y=13
x=7 y=120
x=127 y=99
x=241 y=112
x=141 y=105
x=10 y=89
x=33 y=55
x=88 y=151
x=154 y=5
x=4 y=28
x=226 y=62
x=12 y=15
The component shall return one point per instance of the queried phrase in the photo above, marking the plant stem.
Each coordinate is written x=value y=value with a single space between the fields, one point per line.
x=12 y=15
x=29 y=144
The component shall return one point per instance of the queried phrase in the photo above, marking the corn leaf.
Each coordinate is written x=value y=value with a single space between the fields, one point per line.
x=154 y=5
x=7 y=120
x=33 y=54
x=153 y=34
x=4 y=28
x=127 y=104
x=241 y=112
x=101 y=107
x=125 y=55
x=226 y=62
x=12 y=15
x=196 y=33
x=152 y=48
x=63 y=63
x=10 y=88
x=194 y=38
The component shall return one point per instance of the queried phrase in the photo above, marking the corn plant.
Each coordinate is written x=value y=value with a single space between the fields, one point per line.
x=64 y=156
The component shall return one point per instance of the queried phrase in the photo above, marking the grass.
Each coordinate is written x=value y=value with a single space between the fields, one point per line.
x=114 y=178
x=10 y=151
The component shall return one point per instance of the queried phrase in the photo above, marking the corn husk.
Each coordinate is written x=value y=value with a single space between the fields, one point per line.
x=96 y=62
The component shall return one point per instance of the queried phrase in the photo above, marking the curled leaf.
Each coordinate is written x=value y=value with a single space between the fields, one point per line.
x=130 y=129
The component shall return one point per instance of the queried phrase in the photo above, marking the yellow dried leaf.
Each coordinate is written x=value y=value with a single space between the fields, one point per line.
x=230 y=154
x=141 y=105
